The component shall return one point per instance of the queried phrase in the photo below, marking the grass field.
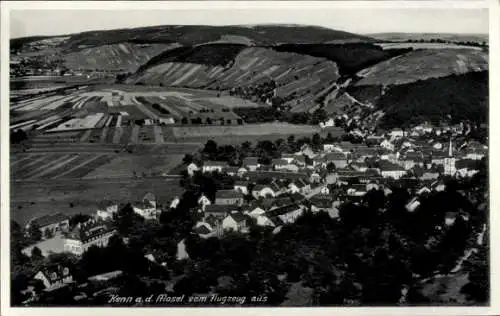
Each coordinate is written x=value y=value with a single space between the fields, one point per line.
x=125 y=166
x=40 y=198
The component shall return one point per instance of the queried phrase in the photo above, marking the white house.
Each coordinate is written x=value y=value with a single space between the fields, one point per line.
x=241 y=186
x=235 y=221
x=256 y=212
x=192 y=168
x=387 y=145
x=106 y=210
x=390 y=170
x=211 y=166
x=85 y=235
x=203 y=201
x=181 y=254
x=175 y=202
x=54 y=276
x=261 y=190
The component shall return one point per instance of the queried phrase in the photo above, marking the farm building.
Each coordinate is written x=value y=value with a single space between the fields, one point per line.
x=53 y=223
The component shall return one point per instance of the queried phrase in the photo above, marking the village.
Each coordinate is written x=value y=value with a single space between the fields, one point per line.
x=320 y=177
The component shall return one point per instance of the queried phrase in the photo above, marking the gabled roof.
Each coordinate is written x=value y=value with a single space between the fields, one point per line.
x=250 y=161
x=240 y=183
x=335 y=156
x=279 y=162
x=55 y=272
x=300 y=159
x=238 y=217
x=259 y=187
x=228 y=194
x=202 y=230
x=215 y=163
x=321 y=202
x=215 y=208
x=388 y=166
x=284 y=209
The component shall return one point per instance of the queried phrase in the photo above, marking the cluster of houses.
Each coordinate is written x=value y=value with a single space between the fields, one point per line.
x=320 y=180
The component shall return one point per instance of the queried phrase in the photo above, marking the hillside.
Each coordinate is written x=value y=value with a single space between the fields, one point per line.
x=423 y=64
x=200 y=34
x=350 y=57
x=125 y=56
x=297 y=77
x=463 y=97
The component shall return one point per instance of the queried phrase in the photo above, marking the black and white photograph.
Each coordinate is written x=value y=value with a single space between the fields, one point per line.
x=260 y=156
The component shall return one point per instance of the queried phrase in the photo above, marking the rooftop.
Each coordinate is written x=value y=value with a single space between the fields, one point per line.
x=46 y=220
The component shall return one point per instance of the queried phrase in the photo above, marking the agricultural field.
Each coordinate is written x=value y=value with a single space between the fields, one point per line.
x=424 y=64
x=136 y=165
x=51 y=166
x=32 y=199
x=239 y=134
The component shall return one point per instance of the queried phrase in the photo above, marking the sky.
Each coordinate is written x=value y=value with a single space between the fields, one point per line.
x=357 y=20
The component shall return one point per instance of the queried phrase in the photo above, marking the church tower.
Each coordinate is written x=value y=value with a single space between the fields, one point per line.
x=449 y=162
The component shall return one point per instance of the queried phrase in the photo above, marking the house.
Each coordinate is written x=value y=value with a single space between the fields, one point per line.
x=288 y=157
x=299 y=186
x=181 y=254
x=323 y=204
x=324 y=190
x=412 y=205
x=267 y=220
x=438 y=186
x=251 y=163
x=284 y=165
x=476 y=153
x=359 y=166
x=218 y=212
x=300 y=161
x=391 y=170
x=423 y=190
x=235 y=221
x=288 y=213
x=372 y=186
x=241 y=186
x=429 y=175
x=146 y=209
x=242 y=171
x=412 y=159
x=204 y=230
x=255 y=212
x=228 y=197
x=166 y=120
x=450 y=218
x=192 y=168
x=306 y=150
x=85 y=235
x=397 y=133
x=54 y=276
x=387 y=145
x=50 y=224
x=261 y=191
x=357 y=190
x=175 y=202
x=332 y=147
x=466 y=167
x=338 y=159
x=203 y=201
x=315 y=177
x=232 y=171
x=211 y=166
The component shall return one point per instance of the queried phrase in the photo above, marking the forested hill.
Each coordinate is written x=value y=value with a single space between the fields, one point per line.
x=462 y=97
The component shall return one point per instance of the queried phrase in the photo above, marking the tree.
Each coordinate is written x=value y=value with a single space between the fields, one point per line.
x=36 y=253
x=79 y=218
x=188 y=158
x=210 y=149
x=34 y=232
x=330 y=167
x=48 y=233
